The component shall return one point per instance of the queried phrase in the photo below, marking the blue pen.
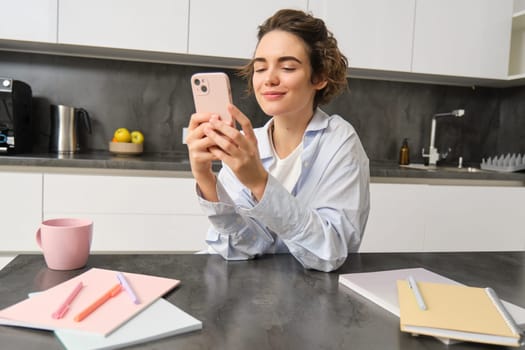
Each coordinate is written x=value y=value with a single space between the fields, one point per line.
x=127 y=287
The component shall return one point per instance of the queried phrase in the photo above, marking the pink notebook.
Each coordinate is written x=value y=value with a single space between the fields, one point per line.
x=36 y=312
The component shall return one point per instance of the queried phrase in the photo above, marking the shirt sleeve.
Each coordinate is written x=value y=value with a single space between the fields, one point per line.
x=323 y=225
x=232 y=234
x=319 y=224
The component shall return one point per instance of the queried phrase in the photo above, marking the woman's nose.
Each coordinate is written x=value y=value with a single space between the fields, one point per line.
x=271 y=77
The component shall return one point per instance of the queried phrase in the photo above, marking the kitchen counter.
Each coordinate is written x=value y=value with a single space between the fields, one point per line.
x=271 y=302
x=101 y=160
x=177 y=164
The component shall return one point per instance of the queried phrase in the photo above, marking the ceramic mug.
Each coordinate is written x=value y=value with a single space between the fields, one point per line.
x=65 y=242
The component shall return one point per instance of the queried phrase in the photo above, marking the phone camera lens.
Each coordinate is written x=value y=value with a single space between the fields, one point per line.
x=204 y=88
x=197 y=82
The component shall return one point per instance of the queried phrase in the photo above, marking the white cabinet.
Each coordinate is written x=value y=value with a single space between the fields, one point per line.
x=407 y=217
x=519 y=5
x=474 y=218
x=372 y=34
x=228 y=28
x=466 y=38
x=20 y=211
x=5 y=259
x=466 y=41
x=152 y=25
x=469 y=38
x=397 y=218
x=154 y=214
x=29 y=20
x=517 y=46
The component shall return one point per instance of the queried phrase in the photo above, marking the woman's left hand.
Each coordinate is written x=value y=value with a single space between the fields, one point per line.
x=239 y=150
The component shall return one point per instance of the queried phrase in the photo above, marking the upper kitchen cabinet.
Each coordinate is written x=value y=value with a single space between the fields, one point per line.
x=151 y=25
x=228 y=28
x=517 y=45
x=29 y=20
x=372 y=34
x=469 y=38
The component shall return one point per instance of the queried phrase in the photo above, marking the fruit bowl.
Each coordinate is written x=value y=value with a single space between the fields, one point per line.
x=125 y=148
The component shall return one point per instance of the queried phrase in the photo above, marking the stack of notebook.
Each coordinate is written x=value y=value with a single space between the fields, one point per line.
x=102 y=309
x=460 y=305
x=456 y=312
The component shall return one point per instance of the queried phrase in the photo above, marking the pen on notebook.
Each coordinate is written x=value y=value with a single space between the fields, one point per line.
x=62 y=309
x=127 y=287
x=108 y=295
x=417 y=293
x=505 y=313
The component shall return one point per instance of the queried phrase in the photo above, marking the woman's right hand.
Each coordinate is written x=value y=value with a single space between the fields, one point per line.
x=200 y=156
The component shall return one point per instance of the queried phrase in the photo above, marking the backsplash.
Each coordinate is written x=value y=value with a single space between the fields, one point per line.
x=156 y=99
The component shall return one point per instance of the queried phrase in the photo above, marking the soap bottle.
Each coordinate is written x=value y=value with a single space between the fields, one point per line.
x=404 y=153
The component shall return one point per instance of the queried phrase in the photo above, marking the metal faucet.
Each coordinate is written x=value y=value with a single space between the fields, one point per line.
x=433 y=154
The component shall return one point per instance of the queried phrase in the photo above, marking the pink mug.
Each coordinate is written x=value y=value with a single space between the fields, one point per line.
x=65 y=242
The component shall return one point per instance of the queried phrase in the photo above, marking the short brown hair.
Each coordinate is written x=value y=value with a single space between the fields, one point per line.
x=326 y=60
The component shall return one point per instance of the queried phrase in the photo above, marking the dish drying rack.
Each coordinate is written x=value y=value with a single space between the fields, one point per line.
x=504 y=163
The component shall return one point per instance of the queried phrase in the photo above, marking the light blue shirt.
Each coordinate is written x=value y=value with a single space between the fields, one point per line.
x=319 y=222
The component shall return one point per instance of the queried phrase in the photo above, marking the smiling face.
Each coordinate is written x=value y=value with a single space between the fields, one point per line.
x=282 y=76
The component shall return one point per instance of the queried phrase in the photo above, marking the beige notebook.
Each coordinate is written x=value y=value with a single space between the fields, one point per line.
x=456 y=312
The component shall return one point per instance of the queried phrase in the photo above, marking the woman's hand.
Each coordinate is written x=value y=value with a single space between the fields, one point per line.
x=238 y=150
x=200 y=156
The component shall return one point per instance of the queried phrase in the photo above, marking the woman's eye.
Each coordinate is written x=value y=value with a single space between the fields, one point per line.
x=259 y=69
x=289 y=69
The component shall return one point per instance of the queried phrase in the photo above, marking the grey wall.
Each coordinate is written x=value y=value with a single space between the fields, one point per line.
x=386 y=112
x=156 y=99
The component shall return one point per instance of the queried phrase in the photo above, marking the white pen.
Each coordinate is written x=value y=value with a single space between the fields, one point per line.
x=505 y=313
x=127 y=287
x=417 y=293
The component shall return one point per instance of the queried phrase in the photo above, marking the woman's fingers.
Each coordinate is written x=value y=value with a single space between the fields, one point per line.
x=243 y=120
x=198 y=143
x=229 y=138
x=197 y=120
x=222 y=139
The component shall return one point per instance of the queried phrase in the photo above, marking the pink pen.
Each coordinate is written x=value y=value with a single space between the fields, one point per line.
x=61 y=311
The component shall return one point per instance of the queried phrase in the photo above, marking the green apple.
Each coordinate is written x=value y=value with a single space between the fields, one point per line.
x=137 y=137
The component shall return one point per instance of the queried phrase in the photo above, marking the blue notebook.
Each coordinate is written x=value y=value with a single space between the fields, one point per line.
x=161 y=319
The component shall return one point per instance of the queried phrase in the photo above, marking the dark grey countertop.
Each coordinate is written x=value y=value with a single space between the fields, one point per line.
x=102 y=160
x=272 y=302
x=179 y=162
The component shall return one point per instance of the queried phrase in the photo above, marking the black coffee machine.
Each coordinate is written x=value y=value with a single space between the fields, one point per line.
x=16 y=122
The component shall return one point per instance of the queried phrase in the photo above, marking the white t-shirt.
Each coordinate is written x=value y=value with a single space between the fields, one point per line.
x=286 y=170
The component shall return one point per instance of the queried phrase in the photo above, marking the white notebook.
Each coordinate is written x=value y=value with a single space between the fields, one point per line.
x=381 y=288
x=159 y=320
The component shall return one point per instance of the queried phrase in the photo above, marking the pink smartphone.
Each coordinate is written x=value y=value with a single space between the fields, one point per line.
x=212 y=93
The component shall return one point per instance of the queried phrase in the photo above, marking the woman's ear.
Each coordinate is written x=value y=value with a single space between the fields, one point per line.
x=320 y=83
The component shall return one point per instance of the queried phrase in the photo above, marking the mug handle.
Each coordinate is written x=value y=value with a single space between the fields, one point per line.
x=39 y=238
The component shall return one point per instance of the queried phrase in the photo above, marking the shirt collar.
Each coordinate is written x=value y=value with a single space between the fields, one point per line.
x=319 y=122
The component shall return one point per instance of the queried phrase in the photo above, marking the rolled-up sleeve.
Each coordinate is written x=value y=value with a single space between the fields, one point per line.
x=320 y=222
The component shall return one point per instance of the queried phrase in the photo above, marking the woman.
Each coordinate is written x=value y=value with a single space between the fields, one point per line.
x=300 y=184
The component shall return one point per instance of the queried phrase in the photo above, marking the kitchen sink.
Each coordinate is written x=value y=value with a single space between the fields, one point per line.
x=435 y=168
